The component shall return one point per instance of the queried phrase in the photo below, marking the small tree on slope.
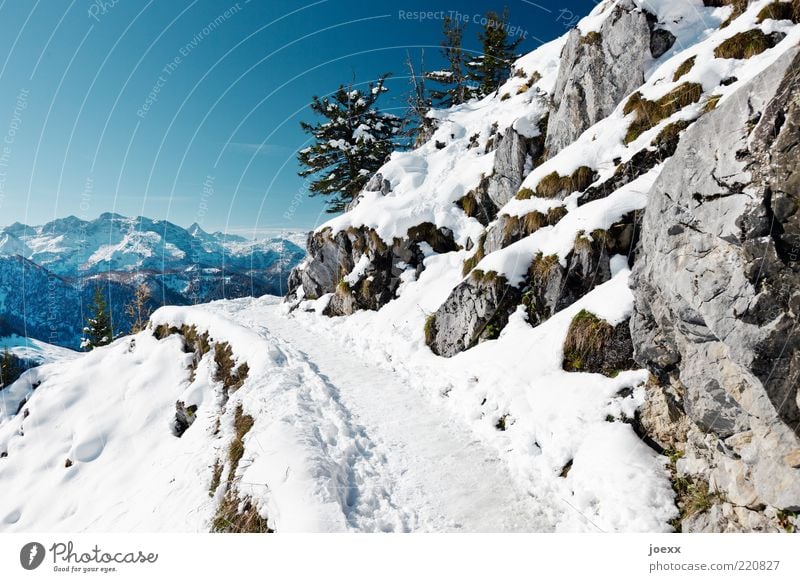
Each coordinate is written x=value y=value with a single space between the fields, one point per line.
x=417 y=126
x=98 y=330
x=137 y=309
x=452 y=80
x=350 y=144
x=492 y=68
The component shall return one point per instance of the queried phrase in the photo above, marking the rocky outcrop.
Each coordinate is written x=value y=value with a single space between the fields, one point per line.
x=597 y=71
x=661 y=40
x=477 y=310
x=663 y=148
x=514 y=157
x=485 y=299
x=360 y=268
x=595 y=346
x=376 y=184
x=507 y=229
x=552 y=286
x=331 y=257
x=716 y=284
x=477 y=204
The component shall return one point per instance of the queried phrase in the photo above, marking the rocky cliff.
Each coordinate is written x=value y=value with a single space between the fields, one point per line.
x=598 y=69
x=655 y=137
x=716 y=304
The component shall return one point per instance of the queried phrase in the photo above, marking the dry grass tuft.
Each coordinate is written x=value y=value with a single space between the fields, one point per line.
x=238 y=516
x=780 y=11
x=587 y=334
x=684 y=68
x=651 y=113
x=232 y=377
x=744 y=45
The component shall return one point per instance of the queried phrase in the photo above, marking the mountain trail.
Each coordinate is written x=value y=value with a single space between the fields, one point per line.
x=432 y=466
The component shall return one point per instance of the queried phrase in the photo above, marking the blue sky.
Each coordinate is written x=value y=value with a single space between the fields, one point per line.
x=189 y=110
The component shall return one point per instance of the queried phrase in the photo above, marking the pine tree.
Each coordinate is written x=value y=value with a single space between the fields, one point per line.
x=493 y=67
x=10 y=368
x=138 y=310
x=453 y=80
x=98 y=330
x=353 y=141
x=417 y=126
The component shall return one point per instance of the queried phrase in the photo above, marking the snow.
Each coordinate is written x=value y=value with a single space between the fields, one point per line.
x=554 y=416
x=109 y=413
x=350 y=434
x=544 y=60
x=35 y=350
x=358 y=271
x=11 y=245
x=71 y=247
x=327 y=451
x=595 y=19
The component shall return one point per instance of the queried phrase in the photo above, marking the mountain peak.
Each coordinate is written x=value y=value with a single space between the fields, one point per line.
x=111 y=216
x=196 y=230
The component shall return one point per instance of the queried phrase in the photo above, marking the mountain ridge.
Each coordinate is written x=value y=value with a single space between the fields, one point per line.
x=68 y=257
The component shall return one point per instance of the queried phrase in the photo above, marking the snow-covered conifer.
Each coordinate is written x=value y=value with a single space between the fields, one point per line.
x=351 y=142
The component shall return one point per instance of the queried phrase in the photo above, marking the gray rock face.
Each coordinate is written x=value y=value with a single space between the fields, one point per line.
x=717 y=283
x=331 y=258
x=661 y=41
x=613 y=354
x=477 y=310
x=376 y=184
x=714 y=411
x=728 y=518
x=510 y=159
x=478 y=205
x=662 y=420
x=596 y=72
x=506 y=229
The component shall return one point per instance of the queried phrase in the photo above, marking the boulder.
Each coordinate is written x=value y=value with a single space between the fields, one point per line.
x=477 y=310
x=513 y=159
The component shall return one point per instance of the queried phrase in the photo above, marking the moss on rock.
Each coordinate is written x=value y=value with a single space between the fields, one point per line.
x=744 y=45
x=651 y=113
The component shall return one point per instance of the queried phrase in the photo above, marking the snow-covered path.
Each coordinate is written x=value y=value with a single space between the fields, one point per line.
x=439 y=477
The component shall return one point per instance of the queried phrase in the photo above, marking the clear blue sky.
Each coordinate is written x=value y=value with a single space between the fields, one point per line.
x=189 y=110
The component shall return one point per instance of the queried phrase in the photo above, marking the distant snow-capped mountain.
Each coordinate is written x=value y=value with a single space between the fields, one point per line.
x=71 y=246
x=49 y=272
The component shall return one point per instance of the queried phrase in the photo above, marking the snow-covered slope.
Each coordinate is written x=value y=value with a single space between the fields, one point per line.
x=101 y=431
x=35 y=351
